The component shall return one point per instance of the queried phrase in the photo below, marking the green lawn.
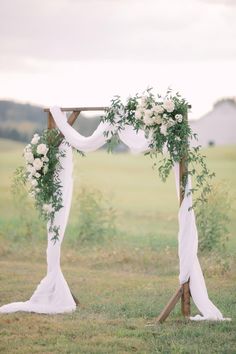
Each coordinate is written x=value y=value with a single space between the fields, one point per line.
x=123 y=283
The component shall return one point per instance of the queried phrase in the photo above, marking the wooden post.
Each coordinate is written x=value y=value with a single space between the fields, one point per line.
x=183 y=292
x=185 y=298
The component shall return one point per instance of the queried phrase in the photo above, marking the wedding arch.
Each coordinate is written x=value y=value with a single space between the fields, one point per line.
x=145 y=124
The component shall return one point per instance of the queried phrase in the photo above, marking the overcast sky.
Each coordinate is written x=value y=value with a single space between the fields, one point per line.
x=82 y=52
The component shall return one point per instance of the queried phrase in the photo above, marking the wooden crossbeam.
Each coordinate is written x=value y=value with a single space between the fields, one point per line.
x=78 y=109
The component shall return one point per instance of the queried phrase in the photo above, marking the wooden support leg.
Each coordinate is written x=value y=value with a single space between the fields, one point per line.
x=171 y=304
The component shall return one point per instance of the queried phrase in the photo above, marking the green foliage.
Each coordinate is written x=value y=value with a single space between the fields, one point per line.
x=95 y=217
x=43 y=181
x=213 y=219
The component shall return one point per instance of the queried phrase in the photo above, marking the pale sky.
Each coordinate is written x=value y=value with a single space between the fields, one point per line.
x=82 y=52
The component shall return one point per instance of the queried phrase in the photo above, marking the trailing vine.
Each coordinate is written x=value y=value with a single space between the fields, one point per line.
x=164 y=121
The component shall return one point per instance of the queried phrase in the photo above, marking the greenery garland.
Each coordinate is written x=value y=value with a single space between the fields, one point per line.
x=164 y=121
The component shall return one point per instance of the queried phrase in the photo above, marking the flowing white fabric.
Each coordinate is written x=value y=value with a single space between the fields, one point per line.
x=188 y=260
x=53 y=294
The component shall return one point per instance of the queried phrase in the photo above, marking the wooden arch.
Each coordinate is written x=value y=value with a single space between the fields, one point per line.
x=183 y=292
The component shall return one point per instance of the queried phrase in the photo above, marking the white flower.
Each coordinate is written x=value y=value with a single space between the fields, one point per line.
x=158 y=119
x=138 y=114
x=170 y=123
x=27 y=148
x=168 y=105
x=165 y=116
x=35 y=139
x=147 y=119
x=45 y=159
x=163 y=129
x=158 y=109
x=179 y=118
x=42 y=149
x=47 y=208
x=32 y=194
x=45 y=169
x=33 y=182
x=29 y=156
x=31 y=169
x=177 y=138
x=37 y=175
x=38 y=164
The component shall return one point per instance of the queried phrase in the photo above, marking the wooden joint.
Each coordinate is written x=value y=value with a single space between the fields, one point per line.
x=51 y=122
x=72 y=118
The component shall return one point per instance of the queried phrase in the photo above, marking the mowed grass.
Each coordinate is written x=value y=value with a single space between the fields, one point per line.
x=122 y=284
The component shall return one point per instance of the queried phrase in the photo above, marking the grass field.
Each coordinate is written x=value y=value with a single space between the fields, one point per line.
x=123 y=283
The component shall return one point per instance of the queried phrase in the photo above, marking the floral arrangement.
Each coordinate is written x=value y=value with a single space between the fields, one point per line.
x=164 y=121
x=41 y=175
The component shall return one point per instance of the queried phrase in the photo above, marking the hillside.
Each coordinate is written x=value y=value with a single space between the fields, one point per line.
x=19 y=121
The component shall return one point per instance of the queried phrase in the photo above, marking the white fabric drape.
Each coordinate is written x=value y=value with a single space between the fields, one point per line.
x=53 y=294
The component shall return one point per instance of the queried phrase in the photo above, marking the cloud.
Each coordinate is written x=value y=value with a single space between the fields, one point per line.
x=221 y=2
x=154 y=30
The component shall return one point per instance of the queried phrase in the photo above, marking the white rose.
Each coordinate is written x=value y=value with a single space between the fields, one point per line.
x=147 y=119
x=38 y=164
x=45 y=159
x=35 y=139
x=47 y=208
x=33 y=182
x=168 y=105
x=158 y=119
x=27 y=148
x=29 y=156
x=158 y=109
x=31 y=169
x=179 y=118
x=42 y=149
x=163 y=129
x=138 y=114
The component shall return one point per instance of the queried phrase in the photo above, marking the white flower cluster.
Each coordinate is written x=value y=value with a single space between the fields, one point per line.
x=35 y=155
x=48 y=208
x=159 y=114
